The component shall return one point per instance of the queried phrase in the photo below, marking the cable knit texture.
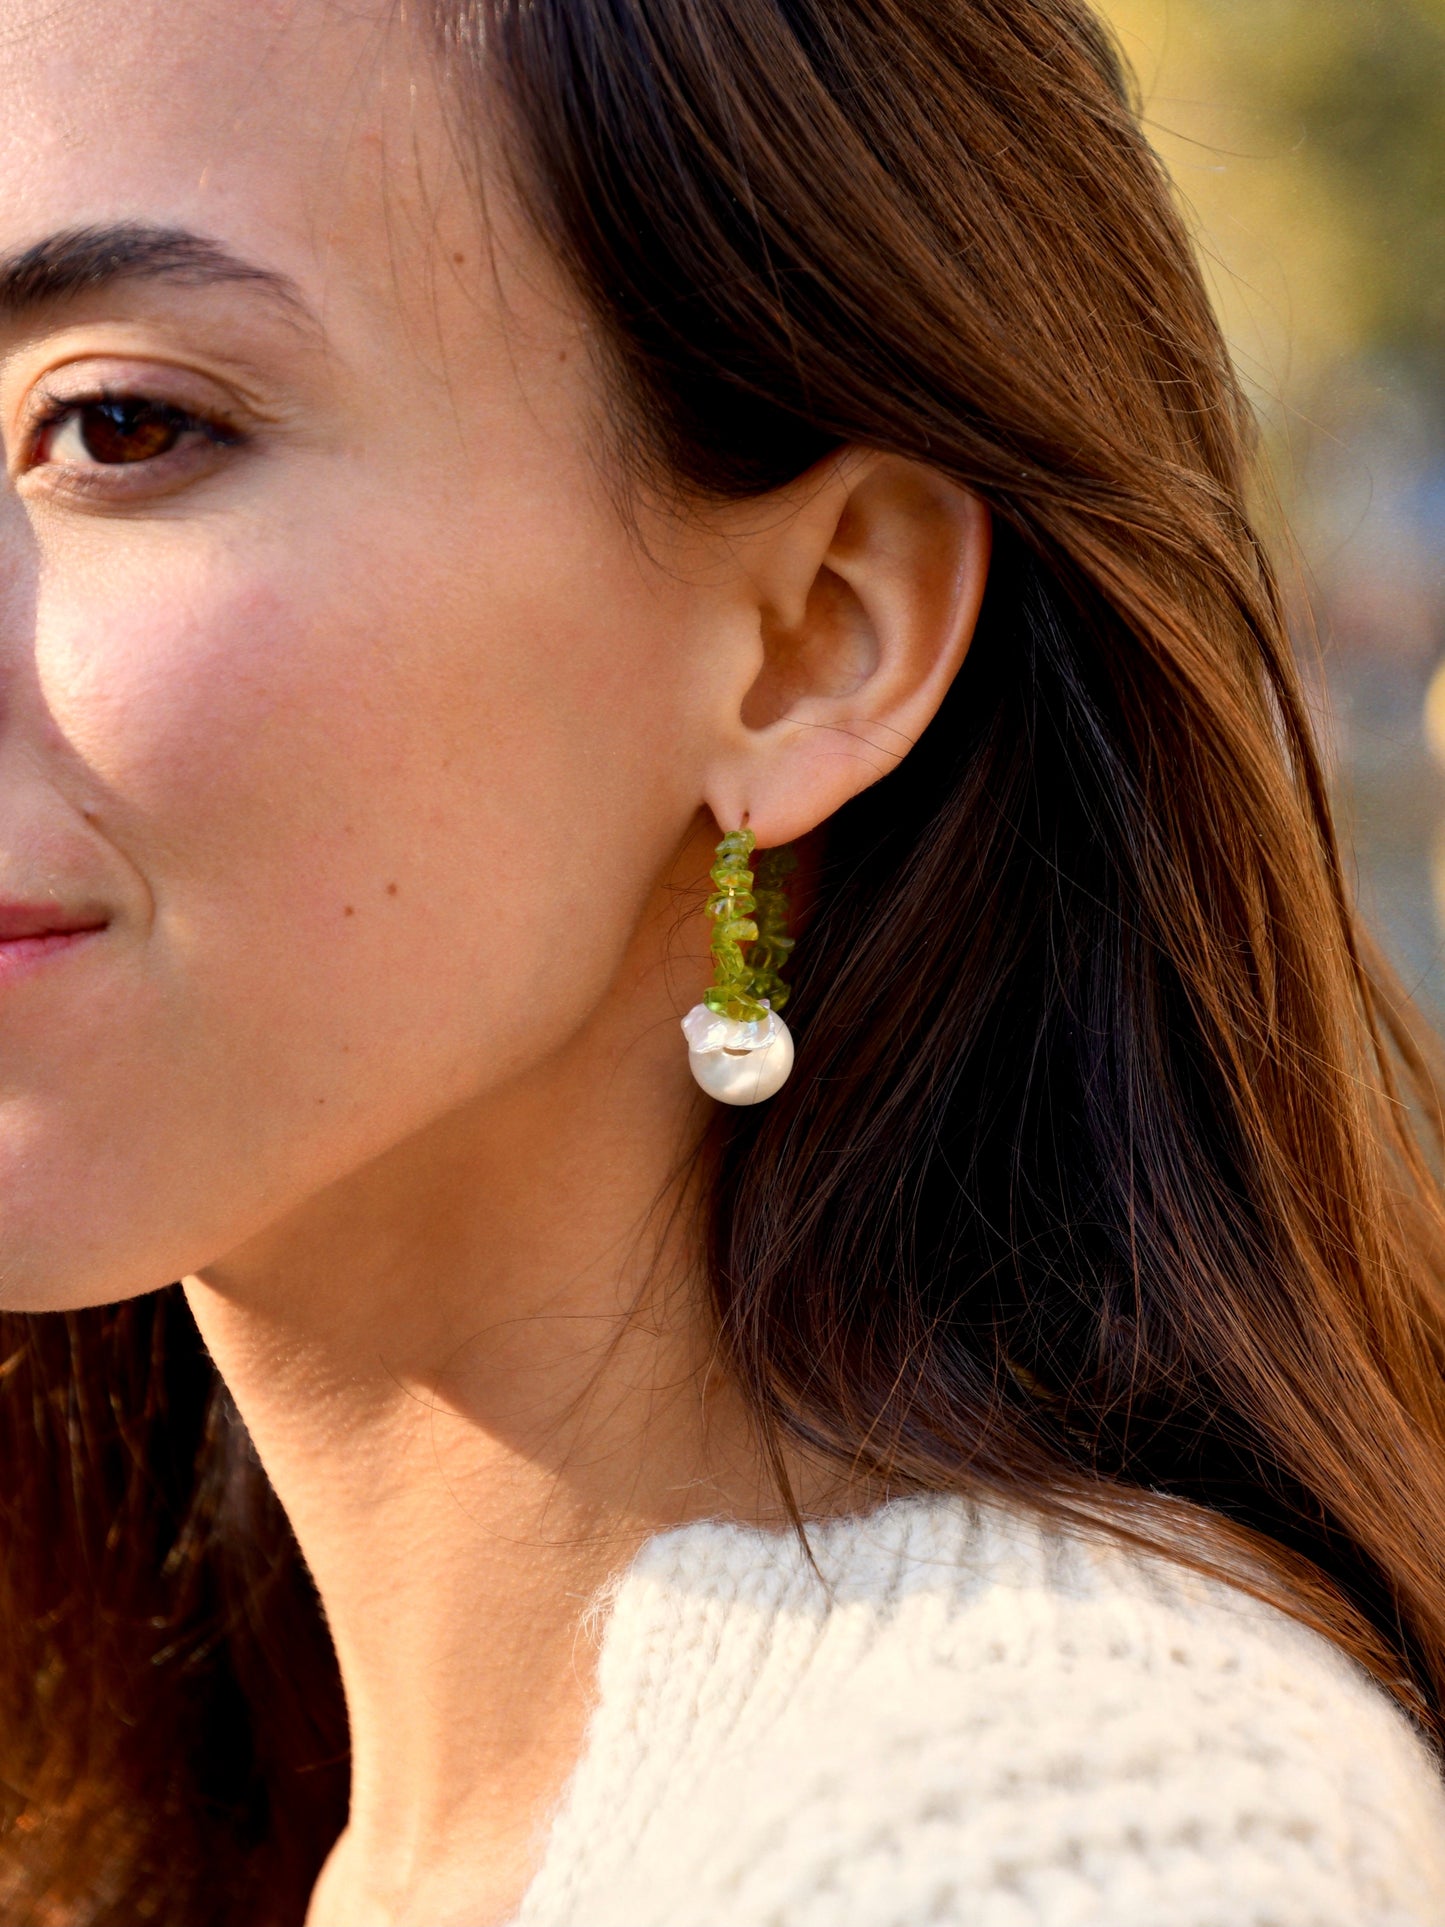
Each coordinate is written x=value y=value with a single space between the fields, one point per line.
x=964 y=1717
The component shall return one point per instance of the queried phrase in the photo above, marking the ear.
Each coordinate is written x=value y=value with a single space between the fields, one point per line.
x=863 y=597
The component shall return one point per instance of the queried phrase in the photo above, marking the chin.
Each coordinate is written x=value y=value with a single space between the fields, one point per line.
x=52 y=1262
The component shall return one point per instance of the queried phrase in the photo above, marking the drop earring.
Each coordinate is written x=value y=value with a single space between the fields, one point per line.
x=738 y=1047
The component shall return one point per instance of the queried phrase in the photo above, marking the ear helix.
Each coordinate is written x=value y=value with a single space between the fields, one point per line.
x=738 y=1047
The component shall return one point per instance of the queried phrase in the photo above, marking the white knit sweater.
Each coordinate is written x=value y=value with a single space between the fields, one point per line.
x=973 y=1720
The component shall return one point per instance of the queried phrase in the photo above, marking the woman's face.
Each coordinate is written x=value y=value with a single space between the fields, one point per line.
x=346 y=728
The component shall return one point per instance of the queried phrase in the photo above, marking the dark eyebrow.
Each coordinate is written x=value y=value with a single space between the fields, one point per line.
x=78 y=261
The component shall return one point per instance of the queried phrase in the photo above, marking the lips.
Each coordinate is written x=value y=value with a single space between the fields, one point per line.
x=33 y=933
x=19 y=921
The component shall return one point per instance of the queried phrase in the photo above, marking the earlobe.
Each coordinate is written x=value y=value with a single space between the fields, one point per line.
x=867 y=602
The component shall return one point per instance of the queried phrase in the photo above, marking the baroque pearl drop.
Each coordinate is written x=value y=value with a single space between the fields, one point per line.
x=745 y=1077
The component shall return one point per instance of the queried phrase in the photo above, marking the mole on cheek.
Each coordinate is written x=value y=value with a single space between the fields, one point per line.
x=391 y=889
x=350 y=910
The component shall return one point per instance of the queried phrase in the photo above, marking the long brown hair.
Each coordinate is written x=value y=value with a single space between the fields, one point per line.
x=1097 y=1189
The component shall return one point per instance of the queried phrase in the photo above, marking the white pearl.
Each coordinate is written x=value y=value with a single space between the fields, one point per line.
x=745 y=1077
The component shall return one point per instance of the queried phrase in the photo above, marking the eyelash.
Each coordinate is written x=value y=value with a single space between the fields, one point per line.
x=58 y=410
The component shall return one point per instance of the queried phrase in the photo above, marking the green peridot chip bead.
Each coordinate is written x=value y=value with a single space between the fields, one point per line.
x=742 y=1008
x=727 y=905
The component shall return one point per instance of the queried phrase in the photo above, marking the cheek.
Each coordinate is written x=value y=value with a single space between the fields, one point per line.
x=234 y=715
x=230 y=707
x=365 y=821
x=168 y=688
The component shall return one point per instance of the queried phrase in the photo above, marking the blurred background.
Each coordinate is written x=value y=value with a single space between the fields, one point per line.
x=1307 y=139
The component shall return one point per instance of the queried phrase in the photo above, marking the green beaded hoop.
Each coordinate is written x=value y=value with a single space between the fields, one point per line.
x=751 y=911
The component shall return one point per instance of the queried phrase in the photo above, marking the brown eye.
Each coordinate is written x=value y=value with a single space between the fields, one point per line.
x=106 y=444
x=120 y=431
x=125 y=430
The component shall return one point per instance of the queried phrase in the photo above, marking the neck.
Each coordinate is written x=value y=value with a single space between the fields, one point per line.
x=479 y=1375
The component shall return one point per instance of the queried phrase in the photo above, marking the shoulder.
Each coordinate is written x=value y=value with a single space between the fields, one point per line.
x=957 y=1714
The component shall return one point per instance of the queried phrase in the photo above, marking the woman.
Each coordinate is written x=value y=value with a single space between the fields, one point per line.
x=464 y=466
